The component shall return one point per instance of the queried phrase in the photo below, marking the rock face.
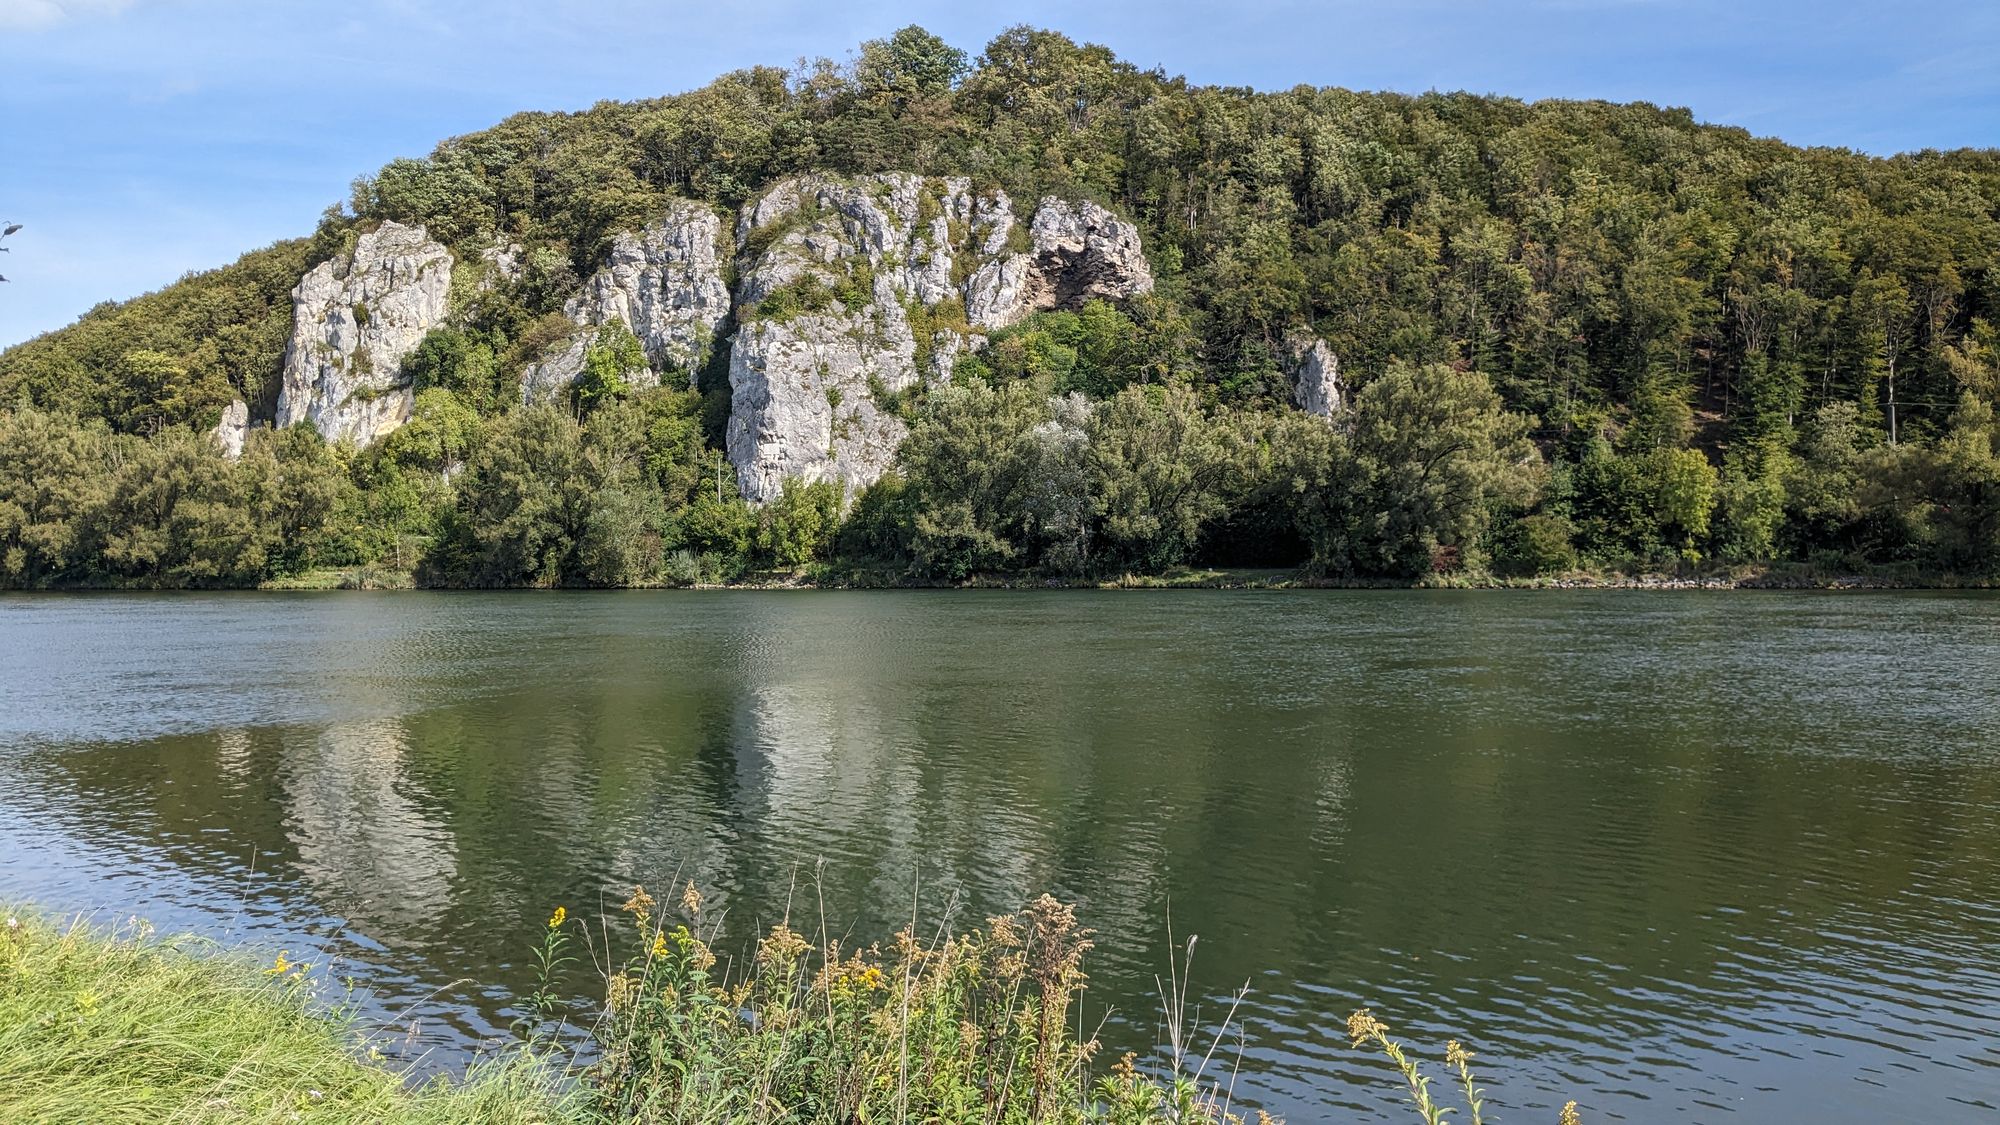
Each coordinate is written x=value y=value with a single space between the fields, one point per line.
x=855 y=290
x=665 y=284
x=1076 y=251
x=353 y=323
x=850 y=292
x=1315 y=374
x=826 y=337
x=234 y=428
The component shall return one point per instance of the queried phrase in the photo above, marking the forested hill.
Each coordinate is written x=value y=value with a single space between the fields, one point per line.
x=1371 y=335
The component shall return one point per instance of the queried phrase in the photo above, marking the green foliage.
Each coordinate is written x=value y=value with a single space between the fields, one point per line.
x=226 y=327
x=1434 y=450
x=223 y=1039
x=613 y=356
x=1738 y=350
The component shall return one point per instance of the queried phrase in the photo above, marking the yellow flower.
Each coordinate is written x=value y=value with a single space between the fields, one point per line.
x=87 y=1000
x=558 y=918
x=1569 y=1115
x=659 y=945
x=1455 y=1054
x=281 y=966
x=691 y=899
x=1363 y=1026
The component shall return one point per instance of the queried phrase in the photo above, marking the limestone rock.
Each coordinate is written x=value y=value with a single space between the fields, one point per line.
x=1076 y=251
x=664 y=283
x=827 y=335
x=354 y=320
x=505 y=265
x=1315 y=374
x=234 y=428
x=835 y=270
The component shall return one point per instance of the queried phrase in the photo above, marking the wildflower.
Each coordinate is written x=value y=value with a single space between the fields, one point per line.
x=558 y=918
x=659 y=945
x=282 y=965
x=88 y=1000
x=782 y=948
x=1569 y=1115
x=640 y=905
x=1363 y=1026
x=691 y=899
x=1455 y=1054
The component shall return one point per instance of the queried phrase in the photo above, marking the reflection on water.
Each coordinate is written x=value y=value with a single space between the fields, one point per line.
x=1680 y=856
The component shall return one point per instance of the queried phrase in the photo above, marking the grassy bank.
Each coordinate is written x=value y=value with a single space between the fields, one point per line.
x=981 y=1026
x=102 y=1027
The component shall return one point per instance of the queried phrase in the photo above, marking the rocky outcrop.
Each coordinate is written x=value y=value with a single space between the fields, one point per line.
x=1076 y=251
x=1315 y=374
x=234 y=429
x=851 y=292
x=664 y=283
x=354 y=320
x=854 y=291
x=827 y=337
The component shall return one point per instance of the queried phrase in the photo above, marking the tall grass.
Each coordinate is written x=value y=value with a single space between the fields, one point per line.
x=975 y=1027
x=106 y=1027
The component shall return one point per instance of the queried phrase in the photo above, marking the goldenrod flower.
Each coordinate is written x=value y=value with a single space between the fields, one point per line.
x=281 y=966
x=691 y=899
x=1569 y=1115
x=1455 y=1054
x=1363 y=1026
x=659 y=945
x=558 y=918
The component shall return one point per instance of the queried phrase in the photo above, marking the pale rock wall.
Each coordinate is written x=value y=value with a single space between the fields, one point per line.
x=663 y=282
x=354 y=320
x=1315 y=374
x=805 y=387
x=234 y=429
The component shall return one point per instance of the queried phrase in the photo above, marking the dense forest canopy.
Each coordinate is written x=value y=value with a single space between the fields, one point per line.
x=1579 y=335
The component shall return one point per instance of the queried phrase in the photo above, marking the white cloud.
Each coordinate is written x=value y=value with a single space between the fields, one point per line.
x=30 y=15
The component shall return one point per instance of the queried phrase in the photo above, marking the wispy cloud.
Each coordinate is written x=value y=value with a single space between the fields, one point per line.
x=32 y=15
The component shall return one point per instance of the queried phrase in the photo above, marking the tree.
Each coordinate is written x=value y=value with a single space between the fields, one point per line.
x=911 y=63
x=523 y=506
x=1434 y=449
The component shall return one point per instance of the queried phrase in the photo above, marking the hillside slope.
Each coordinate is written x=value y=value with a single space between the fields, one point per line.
x=1374 y=334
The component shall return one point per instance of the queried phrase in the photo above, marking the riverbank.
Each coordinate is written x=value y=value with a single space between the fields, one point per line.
x=1799 y=577
x=115 y=1026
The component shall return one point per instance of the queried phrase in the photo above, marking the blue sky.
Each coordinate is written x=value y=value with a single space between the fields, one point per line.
x=147 y=138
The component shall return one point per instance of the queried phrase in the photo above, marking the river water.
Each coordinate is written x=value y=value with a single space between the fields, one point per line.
x=1681 y=856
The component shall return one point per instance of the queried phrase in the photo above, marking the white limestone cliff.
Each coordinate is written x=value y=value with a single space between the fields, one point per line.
x=855 y=290
x=354 y=320
x=664 y=283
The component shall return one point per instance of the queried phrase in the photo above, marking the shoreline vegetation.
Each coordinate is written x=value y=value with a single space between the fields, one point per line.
x=116 y=1025
x=1214 y=578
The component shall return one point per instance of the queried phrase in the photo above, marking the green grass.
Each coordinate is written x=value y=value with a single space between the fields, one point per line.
x=98 y=1026
x=101 y=1028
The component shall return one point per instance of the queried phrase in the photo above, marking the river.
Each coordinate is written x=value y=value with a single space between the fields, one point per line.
x=1681 y=856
